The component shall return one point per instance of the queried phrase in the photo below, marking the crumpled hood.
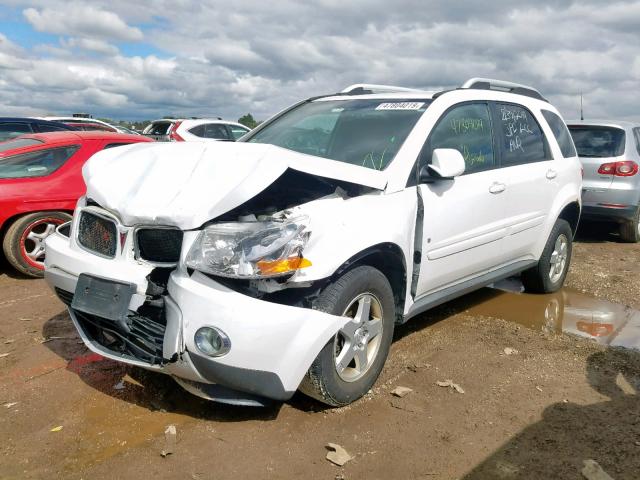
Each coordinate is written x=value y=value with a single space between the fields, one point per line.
x=186 y=184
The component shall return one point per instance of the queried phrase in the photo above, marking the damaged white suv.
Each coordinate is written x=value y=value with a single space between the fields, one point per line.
x=250 y=270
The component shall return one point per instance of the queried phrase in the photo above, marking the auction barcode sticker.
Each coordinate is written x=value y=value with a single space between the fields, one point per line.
x=400 y=106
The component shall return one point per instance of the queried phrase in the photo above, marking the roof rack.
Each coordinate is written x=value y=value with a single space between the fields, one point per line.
x=503 y=86
x=364 y=88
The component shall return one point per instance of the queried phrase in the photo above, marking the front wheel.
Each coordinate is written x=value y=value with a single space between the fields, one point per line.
x=552 y=268
x=23 y=243
x=350 y=363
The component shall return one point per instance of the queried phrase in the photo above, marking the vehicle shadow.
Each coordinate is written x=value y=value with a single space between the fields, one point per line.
x=569 y=433
x=8 y=271
x=150 y=390
x=597 y=232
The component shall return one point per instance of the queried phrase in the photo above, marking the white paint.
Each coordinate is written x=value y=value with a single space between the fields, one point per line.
x=186 y=184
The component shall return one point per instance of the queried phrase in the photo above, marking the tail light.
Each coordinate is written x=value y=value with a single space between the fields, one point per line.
x=625 y=168
x=173 y=135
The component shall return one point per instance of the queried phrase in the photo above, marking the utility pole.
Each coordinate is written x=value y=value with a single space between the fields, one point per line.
x=581 y=110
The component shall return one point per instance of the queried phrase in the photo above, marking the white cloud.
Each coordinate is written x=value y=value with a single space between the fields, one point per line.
x=261 y=57
x=91 y=44
x=82 y=20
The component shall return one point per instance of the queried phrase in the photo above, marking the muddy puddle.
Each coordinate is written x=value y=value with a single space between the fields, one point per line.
x=567 y=311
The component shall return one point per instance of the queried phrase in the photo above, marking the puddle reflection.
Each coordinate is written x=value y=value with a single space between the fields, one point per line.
x=566 y=311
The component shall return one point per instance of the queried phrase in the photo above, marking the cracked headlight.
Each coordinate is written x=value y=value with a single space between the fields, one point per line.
x=250 y=249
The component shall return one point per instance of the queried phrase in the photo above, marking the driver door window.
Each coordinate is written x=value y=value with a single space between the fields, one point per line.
x=466 y=128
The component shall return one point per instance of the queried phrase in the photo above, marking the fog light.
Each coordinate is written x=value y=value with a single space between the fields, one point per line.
x=212 y=341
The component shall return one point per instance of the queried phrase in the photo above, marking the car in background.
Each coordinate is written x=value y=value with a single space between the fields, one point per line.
x=122 y=129
x=610 y=155
x=194 y=130
x=11 y=127
x=90 y=127
x=40 y=182
x=86 y=123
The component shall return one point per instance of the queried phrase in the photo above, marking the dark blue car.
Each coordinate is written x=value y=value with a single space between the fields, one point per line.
x=12 y=127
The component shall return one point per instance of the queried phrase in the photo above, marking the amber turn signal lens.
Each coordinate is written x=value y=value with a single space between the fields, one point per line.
x=282 y=266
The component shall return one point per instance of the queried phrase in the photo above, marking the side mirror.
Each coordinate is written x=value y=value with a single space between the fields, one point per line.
x=446 y=163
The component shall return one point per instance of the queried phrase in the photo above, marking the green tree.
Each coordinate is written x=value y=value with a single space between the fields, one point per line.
x=248 y=121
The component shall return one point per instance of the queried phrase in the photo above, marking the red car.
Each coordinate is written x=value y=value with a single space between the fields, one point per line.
x=40 y=183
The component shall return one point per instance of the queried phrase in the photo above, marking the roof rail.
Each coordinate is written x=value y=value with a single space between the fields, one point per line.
x=502 y=86
x=372 y=88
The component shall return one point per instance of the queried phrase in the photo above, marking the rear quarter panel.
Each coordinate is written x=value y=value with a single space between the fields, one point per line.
x=569 y=179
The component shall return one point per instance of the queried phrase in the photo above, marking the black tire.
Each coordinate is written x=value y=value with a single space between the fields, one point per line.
x=537 y=279
x=322 y=380
x=15 y=242
x=630 y=230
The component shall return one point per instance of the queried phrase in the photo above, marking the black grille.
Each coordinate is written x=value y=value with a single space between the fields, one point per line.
x=143 y=340
x=98 y=234
x=65 y=296
x=159 y=245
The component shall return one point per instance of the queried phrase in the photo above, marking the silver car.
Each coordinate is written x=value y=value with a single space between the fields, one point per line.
x=610 y=154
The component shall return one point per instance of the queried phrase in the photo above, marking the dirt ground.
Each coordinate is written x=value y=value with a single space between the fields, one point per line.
x=536 y=413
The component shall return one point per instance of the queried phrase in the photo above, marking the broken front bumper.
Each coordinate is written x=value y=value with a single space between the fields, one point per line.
x=272 y=345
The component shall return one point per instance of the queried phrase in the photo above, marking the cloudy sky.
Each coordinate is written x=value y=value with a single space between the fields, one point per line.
x=142 y=60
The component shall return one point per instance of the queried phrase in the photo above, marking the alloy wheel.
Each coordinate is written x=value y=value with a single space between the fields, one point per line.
x=357 y=344
x=559 y=258
x=32 y=240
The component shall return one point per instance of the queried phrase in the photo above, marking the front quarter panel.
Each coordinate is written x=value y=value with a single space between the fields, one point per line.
x=342 y=228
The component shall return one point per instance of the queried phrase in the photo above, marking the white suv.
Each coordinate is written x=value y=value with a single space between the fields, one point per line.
x=194 y=130
x=285 y=261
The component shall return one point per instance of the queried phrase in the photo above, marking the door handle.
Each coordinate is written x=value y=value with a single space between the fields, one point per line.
x=551 y=174
x=497 y=187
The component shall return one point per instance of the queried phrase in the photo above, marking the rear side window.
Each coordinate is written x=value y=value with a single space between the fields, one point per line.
x=561 y=132
x=198 y=131
x=97 y=126
x=35 y=164
x=18 y=143
x=216 y=131
x=597 y=141
x=636 y=133
x=12 y=130
x=519 y=134
x=50 y=128
x=237 y=132
x=158 y=128
x=466 y=128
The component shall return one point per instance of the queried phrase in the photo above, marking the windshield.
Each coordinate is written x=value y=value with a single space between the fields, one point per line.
x=362 y=132
x=598 y=142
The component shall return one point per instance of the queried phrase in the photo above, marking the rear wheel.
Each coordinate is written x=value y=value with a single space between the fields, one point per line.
x=350 y=363
x=630 y=230
x=549 y=274
x=23 y=243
